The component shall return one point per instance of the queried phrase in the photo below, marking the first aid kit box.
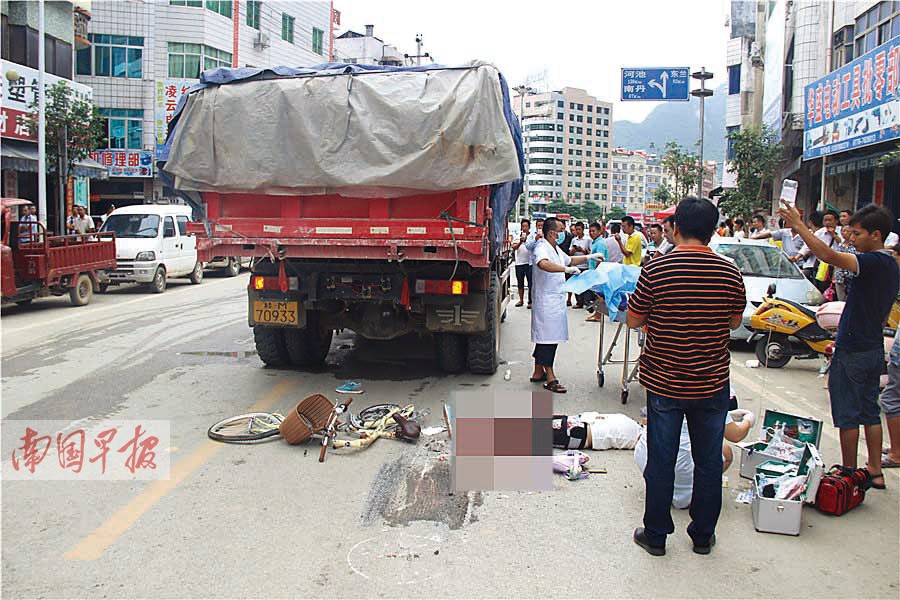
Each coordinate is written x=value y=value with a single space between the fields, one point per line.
x=776 y=515
x=798 y=430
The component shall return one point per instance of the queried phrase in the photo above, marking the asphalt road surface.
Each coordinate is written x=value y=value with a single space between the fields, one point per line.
x=270 y=521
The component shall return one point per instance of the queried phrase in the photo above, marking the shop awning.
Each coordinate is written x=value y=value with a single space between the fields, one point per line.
x=666 y=213
x=859 y=163
x=23 y=156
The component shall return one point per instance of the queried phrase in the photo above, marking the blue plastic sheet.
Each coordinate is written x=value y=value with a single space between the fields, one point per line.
x=613 y=281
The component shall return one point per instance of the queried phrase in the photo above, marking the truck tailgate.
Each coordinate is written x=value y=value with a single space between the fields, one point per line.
x=438 y=226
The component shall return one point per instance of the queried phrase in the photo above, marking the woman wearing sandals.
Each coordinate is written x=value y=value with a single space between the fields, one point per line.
x=549 y=320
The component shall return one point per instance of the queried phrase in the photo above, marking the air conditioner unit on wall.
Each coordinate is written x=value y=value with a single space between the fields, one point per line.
x=261 y=40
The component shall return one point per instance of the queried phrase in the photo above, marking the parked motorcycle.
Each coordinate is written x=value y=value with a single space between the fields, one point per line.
x=785 y=329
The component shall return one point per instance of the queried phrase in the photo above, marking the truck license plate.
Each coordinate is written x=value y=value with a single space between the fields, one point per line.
x=268 y=312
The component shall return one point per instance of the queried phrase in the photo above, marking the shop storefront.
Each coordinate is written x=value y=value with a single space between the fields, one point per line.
x=19 y=149
x=852 y=128
x=130 y=179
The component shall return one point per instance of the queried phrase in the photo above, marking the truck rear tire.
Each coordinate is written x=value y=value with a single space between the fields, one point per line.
x=197 y=273
x=270 y=345
x=158 y=285
x=450 y=350
x=308 y=347
x=234 y=266
x=83 y=290
x=484 y=348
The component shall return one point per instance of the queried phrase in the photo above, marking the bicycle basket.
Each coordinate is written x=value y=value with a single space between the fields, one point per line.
x=308 y=417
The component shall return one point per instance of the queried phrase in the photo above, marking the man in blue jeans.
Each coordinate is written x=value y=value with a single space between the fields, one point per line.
x=689 y=300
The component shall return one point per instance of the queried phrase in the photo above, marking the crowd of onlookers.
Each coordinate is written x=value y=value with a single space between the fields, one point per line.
x=625 y=242
x=685 y=361
x=833 y=229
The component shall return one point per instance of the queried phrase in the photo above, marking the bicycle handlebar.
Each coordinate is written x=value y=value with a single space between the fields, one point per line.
x=330 y=430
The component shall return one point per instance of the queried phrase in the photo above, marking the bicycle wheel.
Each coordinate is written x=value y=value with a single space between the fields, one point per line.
x=247 y=428
x=370 y=415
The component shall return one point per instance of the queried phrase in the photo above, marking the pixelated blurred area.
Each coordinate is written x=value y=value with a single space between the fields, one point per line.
x=502 y=441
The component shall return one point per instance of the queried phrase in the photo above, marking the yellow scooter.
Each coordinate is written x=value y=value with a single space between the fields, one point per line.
x=785 y=329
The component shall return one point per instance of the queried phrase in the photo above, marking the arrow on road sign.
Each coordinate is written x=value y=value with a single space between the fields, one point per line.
x=662 y=88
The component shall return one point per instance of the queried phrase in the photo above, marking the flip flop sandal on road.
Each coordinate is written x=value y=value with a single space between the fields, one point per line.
x=555 y=386
x=539 y=379
x=888 y=463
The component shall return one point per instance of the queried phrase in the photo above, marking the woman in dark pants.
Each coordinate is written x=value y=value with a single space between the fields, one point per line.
x=549 y=320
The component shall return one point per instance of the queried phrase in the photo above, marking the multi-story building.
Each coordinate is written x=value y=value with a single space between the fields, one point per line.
x=568 y=141
x=144 y=55
x=636 y=175
x=744 y=61
x=353 y=47
x=850 y=136
x=832 y=89
x=64 y=25
x=710 y=172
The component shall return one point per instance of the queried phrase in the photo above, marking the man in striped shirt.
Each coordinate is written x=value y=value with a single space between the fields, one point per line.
x=689 y=299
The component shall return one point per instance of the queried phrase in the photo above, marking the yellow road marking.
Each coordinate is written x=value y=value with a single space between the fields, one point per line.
x=95 y=544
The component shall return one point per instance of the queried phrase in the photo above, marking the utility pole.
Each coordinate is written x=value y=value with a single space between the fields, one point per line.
x=419 y=56
x=42 y=122
x=703 y=93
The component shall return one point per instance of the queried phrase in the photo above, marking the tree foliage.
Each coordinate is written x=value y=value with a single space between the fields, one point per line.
x=757 y=156
x=590 y=212
x=615 y=213
x=684 y=167
x=558 y=206
x=663 y=194
x=79 y=121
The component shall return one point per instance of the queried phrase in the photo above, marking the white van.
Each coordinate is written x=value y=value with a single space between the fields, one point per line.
x=153 y=244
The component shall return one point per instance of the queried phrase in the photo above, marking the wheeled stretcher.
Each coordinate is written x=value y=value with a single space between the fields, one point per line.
x=605 y=354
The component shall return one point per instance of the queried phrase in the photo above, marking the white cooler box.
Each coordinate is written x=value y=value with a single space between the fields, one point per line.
x=771 y=515
x=800 y=431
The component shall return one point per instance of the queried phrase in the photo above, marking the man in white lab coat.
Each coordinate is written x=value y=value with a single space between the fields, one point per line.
x=549 y=324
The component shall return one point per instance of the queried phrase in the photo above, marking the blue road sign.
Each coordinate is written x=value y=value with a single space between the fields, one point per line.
x=656 y=84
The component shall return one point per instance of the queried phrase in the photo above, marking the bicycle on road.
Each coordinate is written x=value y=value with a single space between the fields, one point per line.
x=361 y=429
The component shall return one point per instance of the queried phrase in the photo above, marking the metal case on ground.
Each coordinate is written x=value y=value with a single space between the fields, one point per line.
x=772 y=515
x=800 y=430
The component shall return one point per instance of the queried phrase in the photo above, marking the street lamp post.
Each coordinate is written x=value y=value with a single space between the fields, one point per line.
x=12 y=76
x=42 y=120
x=522 y=89
x=703 y=93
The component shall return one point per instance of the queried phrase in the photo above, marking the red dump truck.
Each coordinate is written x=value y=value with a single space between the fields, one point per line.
x=373 y=200
x=33 y=264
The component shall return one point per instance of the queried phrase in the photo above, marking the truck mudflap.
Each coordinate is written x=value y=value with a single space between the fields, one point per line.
x=468 y=314
x=463 y=314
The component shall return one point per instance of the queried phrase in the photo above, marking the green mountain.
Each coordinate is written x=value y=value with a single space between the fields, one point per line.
x=678 y=121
